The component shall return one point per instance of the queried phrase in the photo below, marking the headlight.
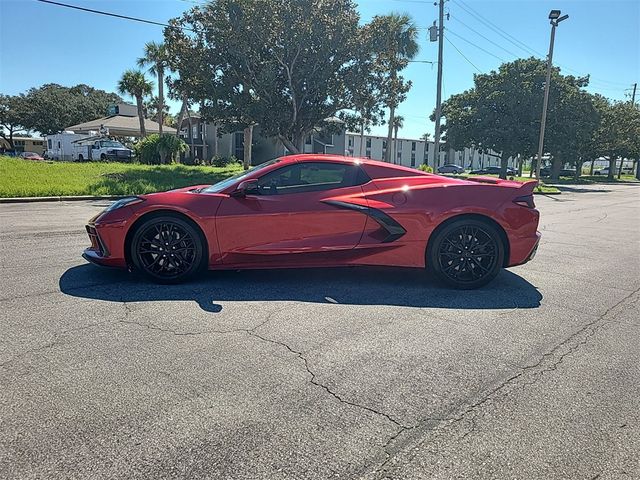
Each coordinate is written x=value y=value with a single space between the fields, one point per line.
x=123 y=202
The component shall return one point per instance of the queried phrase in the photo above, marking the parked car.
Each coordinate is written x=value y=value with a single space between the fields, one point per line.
x=605 y=171
x=451 y=168
x=495 y=170
x=321 y=211
x=564 y=172
x=30 y=156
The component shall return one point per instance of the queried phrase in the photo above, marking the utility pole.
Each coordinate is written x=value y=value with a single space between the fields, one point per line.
x=436 y=138
x=633 y=102
x=555 y=19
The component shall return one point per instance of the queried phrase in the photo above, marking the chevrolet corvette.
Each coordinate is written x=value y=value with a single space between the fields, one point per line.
x=323 y=211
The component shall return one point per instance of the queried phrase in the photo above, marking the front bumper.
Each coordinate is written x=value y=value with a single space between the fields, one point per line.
x=99 y=252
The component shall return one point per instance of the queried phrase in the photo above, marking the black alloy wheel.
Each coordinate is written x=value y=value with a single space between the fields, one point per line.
x=167 y=249
x=466 y=254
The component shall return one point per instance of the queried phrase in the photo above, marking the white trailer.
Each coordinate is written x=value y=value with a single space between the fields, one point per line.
x=60 y=146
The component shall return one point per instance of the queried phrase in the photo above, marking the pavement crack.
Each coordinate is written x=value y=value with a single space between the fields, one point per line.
x=55 y=340
x=314 y=380
x=548 y=362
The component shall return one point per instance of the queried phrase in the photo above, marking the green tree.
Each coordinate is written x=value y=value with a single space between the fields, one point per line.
x=11 y=117
x=395 y=43
x=152 y=111
x=134 y=83
x=398 y=123
x=618 y=134
x=155 y=57
x=285 y=66
x=368 y=99
x=52 y=108
x=502 y=113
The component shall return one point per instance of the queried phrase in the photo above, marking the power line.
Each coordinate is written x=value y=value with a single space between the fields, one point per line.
x=476 y=45
x=462 y=54
x=507 y=36
x=510 y=38
x=109 y=14
x=486 y=38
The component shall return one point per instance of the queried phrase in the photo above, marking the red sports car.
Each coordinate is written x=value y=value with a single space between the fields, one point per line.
x=323 y=211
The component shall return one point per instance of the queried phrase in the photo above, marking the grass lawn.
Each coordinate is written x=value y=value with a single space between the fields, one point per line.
x=593 y=179
x=541 y=188
x=25 y=178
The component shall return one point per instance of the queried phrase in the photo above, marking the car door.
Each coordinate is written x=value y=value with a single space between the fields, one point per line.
x=287 y=215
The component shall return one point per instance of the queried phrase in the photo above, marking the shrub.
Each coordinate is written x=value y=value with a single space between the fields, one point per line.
x=425 y=168
x=155 y=149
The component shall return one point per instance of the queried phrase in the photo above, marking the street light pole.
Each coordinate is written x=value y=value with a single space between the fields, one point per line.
x=555 y=19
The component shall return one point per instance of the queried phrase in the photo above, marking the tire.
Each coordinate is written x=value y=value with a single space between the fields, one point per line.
x=103 y=157
x=168 y=249
x=451 y=257
x=80 y=158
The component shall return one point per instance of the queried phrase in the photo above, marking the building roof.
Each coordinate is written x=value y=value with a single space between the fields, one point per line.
x=35 y=139
x=120 y=125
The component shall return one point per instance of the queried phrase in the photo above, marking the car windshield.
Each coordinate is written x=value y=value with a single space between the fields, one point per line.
x=224 y=184
x=110 y=143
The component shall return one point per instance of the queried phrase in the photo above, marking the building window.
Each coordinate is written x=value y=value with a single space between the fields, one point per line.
x=413 y=159
x=48 y=143
x=368 y=143
x=399 y=145
x=384 y=144
x=351 y=141
x=19 y=143
x=194 y=131
x=307 y=141
x=399 y=155
x=413 y=146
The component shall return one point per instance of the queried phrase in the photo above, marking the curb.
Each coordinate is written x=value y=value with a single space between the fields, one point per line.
x=61 y=199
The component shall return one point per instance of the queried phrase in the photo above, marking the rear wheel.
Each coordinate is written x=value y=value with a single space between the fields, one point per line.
x=80 y=158
x=466 y=254
x=103 y=157
x=167 y=249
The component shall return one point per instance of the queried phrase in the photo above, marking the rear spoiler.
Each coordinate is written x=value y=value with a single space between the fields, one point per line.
x=523 y=187
x=528 y=186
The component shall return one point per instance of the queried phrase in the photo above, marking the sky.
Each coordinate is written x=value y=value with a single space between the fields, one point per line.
x=43 y=43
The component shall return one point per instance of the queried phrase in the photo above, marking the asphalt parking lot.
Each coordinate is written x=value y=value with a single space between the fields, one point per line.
x=347 y=373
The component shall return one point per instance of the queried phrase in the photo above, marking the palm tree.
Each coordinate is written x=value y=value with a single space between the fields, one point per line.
x=134 y=83
x=398 y=123
x=155 y=57
x=399 y=45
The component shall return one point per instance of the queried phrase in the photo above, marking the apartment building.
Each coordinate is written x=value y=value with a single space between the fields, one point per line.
x=412 y=152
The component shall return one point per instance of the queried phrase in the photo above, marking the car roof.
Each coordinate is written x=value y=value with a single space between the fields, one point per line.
x=320 y=157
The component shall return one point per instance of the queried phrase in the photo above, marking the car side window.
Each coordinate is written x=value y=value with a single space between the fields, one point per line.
x=308 y=177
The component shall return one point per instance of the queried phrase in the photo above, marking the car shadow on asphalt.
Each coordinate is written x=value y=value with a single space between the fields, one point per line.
x=350 y=286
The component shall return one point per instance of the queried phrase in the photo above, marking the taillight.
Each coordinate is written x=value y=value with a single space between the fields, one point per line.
x=525 y=201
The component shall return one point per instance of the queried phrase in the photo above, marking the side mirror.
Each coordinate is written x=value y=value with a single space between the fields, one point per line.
x=247 y=187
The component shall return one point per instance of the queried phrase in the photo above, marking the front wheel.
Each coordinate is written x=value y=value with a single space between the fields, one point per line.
x=167 y=249
x=466 y=254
